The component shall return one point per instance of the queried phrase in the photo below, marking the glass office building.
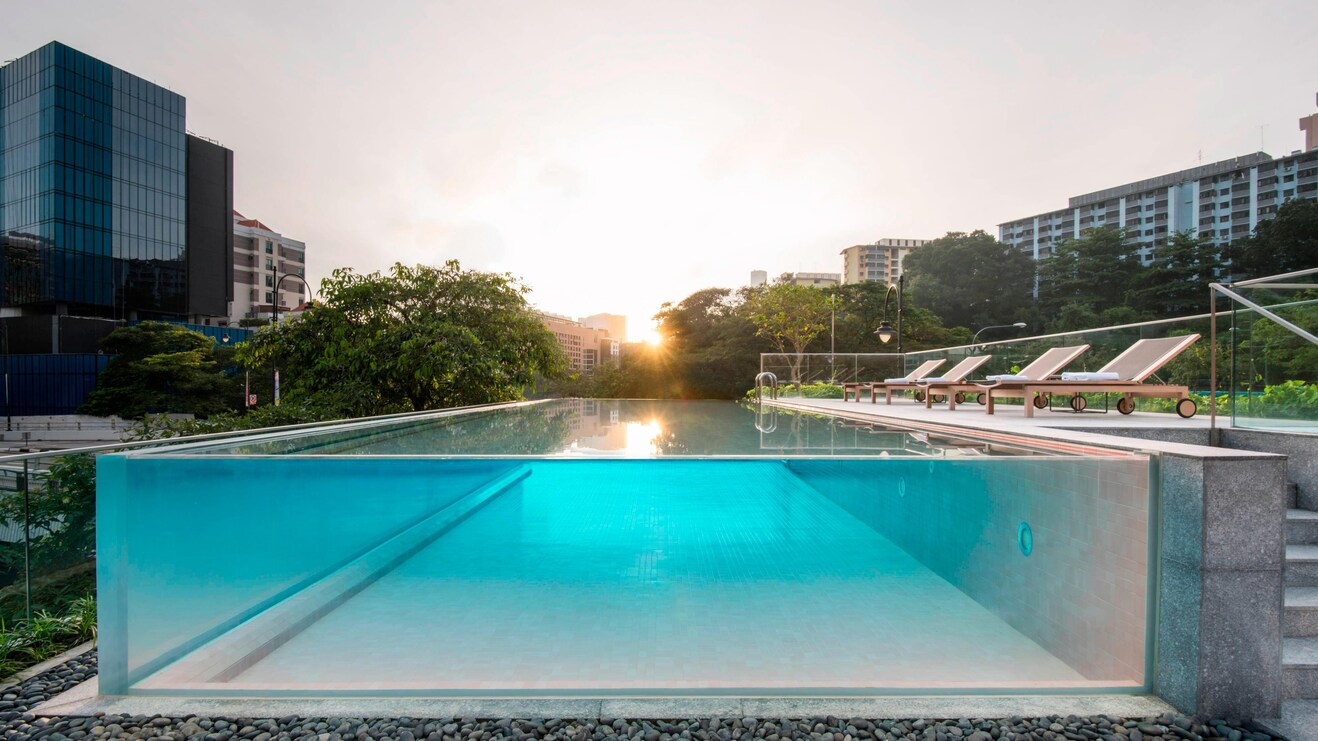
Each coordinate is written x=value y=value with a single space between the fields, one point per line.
x=93 y=183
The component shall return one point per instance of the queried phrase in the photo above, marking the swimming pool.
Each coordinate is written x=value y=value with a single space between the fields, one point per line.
x=622 y=547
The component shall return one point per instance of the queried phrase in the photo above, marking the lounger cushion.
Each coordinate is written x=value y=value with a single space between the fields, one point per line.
x=903 y=379
x=1091 y=376
x=1008 y=377
x=934 y=379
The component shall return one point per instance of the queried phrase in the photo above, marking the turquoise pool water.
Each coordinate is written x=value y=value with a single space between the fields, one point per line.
x=621 y=547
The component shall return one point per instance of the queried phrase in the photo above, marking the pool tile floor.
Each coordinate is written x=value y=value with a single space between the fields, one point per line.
x=652 y=586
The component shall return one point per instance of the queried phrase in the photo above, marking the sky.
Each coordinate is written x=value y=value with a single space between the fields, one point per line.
x=618 y=155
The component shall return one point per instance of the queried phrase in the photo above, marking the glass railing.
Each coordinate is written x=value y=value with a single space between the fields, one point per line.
x=822 y=375
x=1268 y=330
x=1192 y=368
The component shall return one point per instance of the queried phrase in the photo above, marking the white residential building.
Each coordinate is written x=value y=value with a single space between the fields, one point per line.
x=261 y=256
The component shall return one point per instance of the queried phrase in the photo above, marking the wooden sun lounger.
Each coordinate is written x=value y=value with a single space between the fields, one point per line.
x=924 y=369
x=1043 y=367
x=1133 y=366
x=955 y=374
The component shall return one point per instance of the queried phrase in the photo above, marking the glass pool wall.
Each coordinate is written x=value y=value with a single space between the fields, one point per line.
x=286 y=575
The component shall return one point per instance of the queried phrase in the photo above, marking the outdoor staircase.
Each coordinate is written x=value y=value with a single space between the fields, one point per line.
x=1299 y=651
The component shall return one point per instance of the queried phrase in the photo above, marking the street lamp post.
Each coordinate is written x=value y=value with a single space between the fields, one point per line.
x=885 y=330
x=1017 y=325
x=274 y=318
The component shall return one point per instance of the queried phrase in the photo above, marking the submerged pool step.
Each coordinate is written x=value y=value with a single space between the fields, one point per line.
x=232 y=653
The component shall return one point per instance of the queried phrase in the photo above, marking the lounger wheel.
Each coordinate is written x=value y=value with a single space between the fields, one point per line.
x=1186 y=408
x=919 y=396
x=1125 y=405
x=939 y=398
x=981 y=398
x=1040 y=401
x=1078 y=403
x=960 y=398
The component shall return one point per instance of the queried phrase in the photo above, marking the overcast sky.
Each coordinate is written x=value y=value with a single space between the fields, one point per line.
x=616 y=155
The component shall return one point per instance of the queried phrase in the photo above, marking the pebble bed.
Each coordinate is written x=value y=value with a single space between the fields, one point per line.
x=18 y=723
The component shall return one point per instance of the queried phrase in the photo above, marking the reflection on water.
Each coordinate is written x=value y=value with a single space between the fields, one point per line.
x=623 y=428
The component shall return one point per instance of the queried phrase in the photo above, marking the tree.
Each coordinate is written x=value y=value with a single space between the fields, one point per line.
x=971 y=280
x=1176 y=283
x=790 y=317
x=710 y=347
x=159 y=368
x=1282 y=244
x=411 y=339
x=1095 y=272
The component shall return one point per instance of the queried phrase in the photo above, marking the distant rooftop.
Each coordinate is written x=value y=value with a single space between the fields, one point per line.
x=1162 y=181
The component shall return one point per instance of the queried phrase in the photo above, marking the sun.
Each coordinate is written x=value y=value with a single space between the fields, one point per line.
x=652 y=338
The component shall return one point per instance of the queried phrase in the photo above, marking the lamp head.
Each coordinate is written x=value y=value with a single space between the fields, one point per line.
x=1019 y=325
x=885 y=331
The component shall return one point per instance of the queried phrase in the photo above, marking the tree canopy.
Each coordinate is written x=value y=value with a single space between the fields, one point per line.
x=1282 y=244
x=164 y=368
x=971 y=280
x=410 y=339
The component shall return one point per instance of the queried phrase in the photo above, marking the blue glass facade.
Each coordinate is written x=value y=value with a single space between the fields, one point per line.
x=93 y=181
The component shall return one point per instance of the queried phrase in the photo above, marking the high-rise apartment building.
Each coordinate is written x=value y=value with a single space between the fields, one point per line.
x=1223 y=202
x=261 y=258
x=759 y=277
x=881 y=261
x=109 y=210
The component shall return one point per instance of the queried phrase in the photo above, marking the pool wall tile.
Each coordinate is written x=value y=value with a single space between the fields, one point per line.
x=1081 y=594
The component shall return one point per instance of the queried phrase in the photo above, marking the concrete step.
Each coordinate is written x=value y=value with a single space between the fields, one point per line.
x=1302 y=566
x=1300 y=619
x=1299 y=668
x=1301 y=527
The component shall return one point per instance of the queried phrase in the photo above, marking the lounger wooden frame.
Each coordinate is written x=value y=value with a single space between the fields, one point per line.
x=1138 y=362
x=955 y=374
x=1046 y=365
x=924 y=369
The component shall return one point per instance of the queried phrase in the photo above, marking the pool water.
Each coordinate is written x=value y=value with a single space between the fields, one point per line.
x=833 y=559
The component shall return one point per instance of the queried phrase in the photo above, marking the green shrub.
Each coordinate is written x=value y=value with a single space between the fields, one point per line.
x=46 y=635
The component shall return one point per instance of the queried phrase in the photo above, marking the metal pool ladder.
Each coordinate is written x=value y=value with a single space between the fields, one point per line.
x=763 y=379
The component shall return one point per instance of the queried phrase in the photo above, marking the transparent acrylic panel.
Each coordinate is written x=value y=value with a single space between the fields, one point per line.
x=301 y=574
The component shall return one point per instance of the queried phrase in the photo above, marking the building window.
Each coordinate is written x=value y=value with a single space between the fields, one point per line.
x=269 y=264
x=269 y=247
x=269 y=281
x=269 y=297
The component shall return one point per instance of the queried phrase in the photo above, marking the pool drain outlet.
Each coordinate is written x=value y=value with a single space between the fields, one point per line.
x=1025 y=538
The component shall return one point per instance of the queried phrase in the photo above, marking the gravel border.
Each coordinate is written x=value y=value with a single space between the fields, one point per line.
x=17 y=723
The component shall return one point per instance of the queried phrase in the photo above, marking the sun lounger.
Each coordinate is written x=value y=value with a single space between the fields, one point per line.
x=1043 y=367
x=955 y=374
x=1125 y=375
x=924 y=369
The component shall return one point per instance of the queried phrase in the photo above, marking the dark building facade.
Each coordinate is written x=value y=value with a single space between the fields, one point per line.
x=96 y=169
x=210 y=228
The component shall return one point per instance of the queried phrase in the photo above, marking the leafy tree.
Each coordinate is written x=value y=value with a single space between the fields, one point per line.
x=710 y=348
x=790 y=317
x=971 y=280
x=414 y=338
x=1176 y=283
x=160 y=367
x=1095 y=272
x=1282 y=244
